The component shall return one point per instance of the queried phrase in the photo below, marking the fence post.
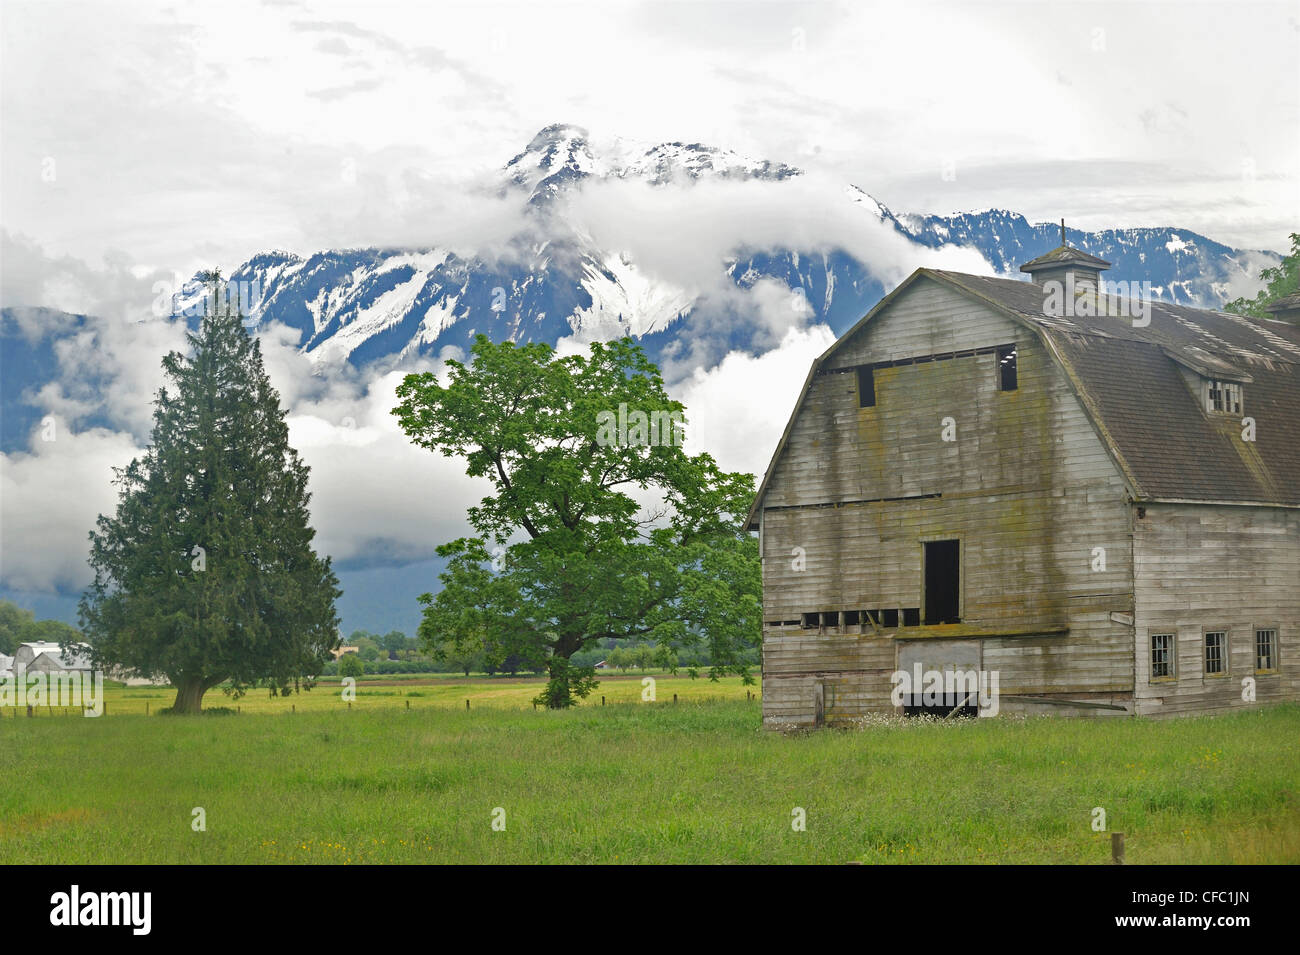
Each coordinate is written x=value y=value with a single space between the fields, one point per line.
x=602 y=701
x=1117 y=848
x=674 y=697
x=29 y=709
x=408 y=704
x=467 y=706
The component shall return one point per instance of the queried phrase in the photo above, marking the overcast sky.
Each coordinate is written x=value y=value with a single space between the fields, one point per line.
x=172 y=135
x=140 y=140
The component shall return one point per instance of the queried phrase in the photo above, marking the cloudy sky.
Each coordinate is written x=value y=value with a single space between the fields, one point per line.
x=140 y=140
x=180 y=133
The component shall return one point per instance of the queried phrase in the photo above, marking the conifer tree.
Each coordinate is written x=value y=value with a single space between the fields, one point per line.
x=206 y=574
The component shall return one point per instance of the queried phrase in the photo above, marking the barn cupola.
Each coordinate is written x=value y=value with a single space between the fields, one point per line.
x=1066 y=265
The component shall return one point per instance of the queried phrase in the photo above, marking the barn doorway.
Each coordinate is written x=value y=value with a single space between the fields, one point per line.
x=920 y=661
x=942 y=582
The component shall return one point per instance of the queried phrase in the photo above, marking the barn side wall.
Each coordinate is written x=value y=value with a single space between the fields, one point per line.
x=1228 y=569
x=1027 y=488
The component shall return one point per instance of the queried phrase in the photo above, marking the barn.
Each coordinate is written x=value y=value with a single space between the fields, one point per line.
x=1089 y=499
x=48 y=657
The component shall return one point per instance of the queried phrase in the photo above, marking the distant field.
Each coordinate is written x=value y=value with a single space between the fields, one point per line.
x=640 y=782
x=417 y=690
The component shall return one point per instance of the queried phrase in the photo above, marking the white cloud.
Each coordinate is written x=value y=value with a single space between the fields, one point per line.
x=737 y=410
x=49 y=500
x=299 y=126
x=375 y=495
x=684 y=235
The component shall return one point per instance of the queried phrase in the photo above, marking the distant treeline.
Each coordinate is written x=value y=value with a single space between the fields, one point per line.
x=395 y=652
x=19 y=626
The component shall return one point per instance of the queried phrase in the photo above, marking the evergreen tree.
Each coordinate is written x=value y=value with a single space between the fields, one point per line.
x=206 y=573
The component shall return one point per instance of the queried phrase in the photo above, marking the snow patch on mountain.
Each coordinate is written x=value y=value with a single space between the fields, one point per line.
x=624 y=301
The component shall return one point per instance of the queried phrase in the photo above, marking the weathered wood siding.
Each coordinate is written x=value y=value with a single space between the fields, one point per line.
x=1027 y=487
x=1206 y=567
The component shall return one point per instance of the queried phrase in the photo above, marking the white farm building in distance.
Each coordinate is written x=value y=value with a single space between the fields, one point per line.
x=45 y=657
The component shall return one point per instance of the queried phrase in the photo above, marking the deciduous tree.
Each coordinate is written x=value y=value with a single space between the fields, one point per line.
x=565 y=551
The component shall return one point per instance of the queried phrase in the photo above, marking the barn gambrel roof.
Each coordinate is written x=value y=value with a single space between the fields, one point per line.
x=1128 y=379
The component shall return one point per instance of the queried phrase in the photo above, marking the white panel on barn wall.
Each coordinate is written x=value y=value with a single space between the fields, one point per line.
x=939 y=654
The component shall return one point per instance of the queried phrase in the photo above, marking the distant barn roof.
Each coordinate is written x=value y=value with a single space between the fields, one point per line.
x=1128 y=379
x=77 y=658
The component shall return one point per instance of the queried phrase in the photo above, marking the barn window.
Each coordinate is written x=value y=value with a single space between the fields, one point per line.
x=911 y=616
x=866 y=387
x=942 y=582
x=1216 y=647
x=1265 y=651
x=1007 y=368
x=889 y=619
x=1223 y=396
x=1162 y=656
x=808 y=621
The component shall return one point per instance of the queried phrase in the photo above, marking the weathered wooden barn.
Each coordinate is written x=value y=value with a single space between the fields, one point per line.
x=1036 y=479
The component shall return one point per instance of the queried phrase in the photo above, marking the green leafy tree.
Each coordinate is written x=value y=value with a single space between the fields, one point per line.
x=393 y=641
x=584 y=560
x=462 y=659
x=1279 y=281
x=666 y=658
x=619 y=659
x=350 y=665
x=206 y=573
x=49 y=631
x=13 y=619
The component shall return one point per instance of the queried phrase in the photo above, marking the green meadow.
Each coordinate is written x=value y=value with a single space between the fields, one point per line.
x=634 y=782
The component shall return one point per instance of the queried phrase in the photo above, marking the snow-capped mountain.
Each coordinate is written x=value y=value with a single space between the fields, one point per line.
x=365 y=305
x=388 y=305
x=1182 y=266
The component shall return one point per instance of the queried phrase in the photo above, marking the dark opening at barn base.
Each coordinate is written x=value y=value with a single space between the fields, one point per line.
x=957 y=706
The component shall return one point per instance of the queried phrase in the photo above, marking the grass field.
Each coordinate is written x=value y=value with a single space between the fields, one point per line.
x=415 y=690
x=639 y=782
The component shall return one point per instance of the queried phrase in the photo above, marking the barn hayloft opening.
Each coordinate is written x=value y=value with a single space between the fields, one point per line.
x=866 y=387
x=942 y=582
x=1007 y=380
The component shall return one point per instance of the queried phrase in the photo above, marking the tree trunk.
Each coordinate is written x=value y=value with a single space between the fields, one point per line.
x=189 y=695
x=567 y=683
